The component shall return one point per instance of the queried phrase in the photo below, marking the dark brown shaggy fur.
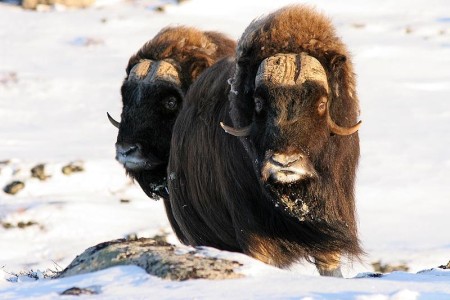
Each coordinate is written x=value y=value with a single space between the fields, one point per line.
x=192 y=49
x=298 y=29
x=217 y=195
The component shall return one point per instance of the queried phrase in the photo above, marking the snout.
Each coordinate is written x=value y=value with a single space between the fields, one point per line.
x=287 y=168
x=132 y=158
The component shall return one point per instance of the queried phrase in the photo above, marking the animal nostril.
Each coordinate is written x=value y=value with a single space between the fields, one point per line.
x=130 y=150
x=126 y=149
x=285 y=160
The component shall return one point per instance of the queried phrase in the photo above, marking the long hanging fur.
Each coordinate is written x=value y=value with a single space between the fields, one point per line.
x=216 y=195
x=296 y=29
x=145 y=121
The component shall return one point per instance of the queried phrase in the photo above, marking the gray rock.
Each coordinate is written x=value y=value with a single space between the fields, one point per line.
x=157 y=257
x=76 y=291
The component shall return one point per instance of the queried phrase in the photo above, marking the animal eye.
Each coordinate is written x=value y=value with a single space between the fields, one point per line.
x=259 y=103
x=322 y=107
x=171 y=103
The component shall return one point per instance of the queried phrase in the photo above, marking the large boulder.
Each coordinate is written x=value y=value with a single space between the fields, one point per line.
x=157 y=257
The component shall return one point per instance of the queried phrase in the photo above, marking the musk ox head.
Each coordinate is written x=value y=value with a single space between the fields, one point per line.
x=294 y=106
x=158 y=76
x=151 y=96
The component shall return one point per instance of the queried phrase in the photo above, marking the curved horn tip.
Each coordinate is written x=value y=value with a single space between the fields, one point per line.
x=338 y=130
x=245 y=131
x=113 y=122
x=356 y=127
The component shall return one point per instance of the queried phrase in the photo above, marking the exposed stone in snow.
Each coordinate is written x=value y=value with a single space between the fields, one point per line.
x=157 y=257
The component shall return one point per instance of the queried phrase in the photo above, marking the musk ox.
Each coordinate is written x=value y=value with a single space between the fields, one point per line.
x=157 y=78
x=277 y=180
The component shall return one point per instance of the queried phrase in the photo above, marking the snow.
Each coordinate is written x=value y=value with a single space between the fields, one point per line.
x=126 y=282
x=61 y=70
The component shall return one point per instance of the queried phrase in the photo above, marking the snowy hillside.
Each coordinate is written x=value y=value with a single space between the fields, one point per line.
x=61 y=70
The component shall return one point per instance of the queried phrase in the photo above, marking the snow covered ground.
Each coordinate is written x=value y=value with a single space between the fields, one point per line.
x=61 y=70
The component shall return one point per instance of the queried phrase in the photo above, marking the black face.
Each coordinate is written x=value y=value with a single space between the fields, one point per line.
x=148 y=115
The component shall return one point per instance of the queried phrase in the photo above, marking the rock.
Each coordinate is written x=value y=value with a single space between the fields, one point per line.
x=33 y=4
x=160 y=8
x=446 y=267
x=14 y=187
x=7 y=225
x=388 y=268
x=73 y=167
x=21 y=224
x=5 y=162
x=369 y=275
x=158 y=258
x=38 y=172
x=76 y=291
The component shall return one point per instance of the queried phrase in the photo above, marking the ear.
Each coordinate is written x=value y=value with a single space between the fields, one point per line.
x=337 y=61
x=131 y=63
x=337 y=64
x=198 y=67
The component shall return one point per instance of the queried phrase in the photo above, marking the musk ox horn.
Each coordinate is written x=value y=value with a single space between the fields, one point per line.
x=294 y=69
x=114 y=122
x=291 y=69
x=336 y=129
x=245 y=131
x=140 y=70
x=149 y=70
